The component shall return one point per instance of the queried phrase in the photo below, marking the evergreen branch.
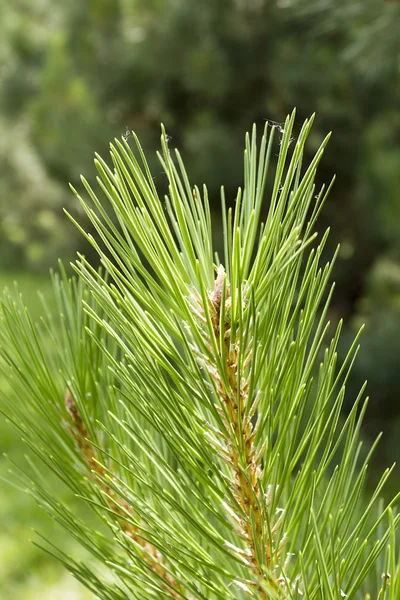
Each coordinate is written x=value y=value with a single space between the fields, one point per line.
x=202 y=397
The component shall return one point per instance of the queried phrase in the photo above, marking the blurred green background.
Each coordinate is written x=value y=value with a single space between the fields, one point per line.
x=76 y=74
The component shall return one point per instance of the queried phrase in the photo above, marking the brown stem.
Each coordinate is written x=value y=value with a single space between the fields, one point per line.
x=239 y=450
x=88 y=452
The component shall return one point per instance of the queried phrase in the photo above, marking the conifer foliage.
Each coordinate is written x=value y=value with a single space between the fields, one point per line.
x=193 y=401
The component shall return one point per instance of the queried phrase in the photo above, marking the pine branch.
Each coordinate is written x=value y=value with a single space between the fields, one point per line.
x=204 y=397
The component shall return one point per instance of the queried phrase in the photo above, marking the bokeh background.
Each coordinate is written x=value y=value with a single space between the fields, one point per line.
x=76 y=74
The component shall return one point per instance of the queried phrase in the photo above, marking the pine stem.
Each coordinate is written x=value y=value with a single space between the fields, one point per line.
x=88 y=452
x=239 y=450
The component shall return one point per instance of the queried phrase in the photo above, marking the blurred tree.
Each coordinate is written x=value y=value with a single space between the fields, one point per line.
x=373 y=30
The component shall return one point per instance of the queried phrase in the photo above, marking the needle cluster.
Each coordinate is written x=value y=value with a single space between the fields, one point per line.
x=192 y=401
